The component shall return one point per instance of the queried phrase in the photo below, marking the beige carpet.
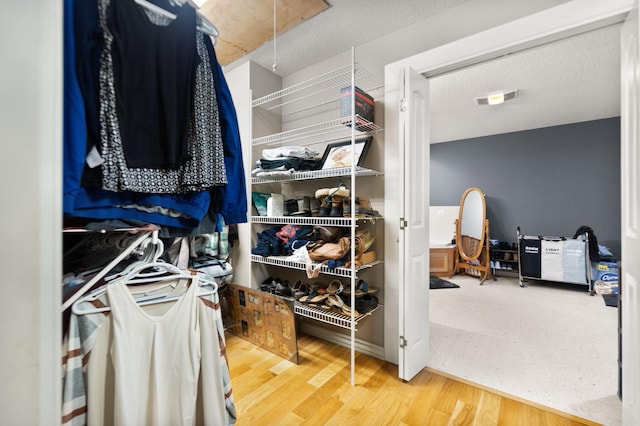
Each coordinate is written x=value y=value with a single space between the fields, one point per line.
x=551 y=344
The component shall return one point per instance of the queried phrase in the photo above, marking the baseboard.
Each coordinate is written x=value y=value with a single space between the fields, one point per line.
x=343 y=340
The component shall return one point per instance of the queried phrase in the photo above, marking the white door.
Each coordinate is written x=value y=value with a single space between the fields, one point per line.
x=414 y=238
x=630 y=221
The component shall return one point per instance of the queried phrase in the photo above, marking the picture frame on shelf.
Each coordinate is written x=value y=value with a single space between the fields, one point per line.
x=338 y=154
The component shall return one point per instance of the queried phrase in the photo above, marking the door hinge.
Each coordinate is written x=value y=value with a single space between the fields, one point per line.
x=403 y=104
x=403 y=223
x=403 y=342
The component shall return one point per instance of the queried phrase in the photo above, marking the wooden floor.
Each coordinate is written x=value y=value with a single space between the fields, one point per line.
x=269 y=390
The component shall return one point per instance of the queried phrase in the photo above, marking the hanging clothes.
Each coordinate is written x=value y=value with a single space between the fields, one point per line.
x=205 y=165
x=154 y=364
x=80 y=132
x=153 y=70
x=179 y=199
x=229 y=200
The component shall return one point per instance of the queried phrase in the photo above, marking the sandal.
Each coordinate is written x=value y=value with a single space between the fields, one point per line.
x=333 y=300
x=362 y=288
x=314 y=297
x=300 y=289
x=335 y=287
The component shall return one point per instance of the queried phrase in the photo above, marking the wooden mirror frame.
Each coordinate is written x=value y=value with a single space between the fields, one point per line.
x=479 y=259
x=464 y=246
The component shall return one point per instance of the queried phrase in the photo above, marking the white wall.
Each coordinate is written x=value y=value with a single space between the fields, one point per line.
x=242 y=81
x=31 y=190
x=238 y=82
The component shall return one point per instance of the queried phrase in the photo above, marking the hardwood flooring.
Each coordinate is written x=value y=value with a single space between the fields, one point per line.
x=269 y=390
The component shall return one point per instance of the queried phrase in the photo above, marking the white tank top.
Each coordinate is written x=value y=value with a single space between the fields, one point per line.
x=156 y=359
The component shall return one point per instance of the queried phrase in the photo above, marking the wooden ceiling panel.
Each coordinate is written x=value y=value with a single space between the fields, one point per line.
x=245 y=25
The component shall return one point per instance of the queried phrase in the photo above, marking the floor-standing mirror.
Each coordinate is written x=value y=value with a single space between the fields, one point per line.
x=472 y=236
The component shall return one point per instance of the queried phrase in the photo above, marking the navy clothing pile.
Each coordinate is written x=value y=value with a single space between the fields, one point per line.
x=282 y=240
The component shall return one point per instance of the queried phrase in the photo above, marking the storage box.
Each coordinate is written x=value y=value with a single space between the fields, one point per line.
x=368 y=257
x=364 y=108
x=264 y=319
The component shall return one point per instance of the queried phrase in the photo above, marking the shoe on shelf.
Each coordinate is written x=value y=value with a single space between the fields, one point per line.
x=362 y=288
x=266 y=285
x=366 y=303
x=335 y=287
x=336 y=209
x=335 y=301
x=364 y=241
x=363 y=208
x=331 y=200
x=283 y=289
x=314 y=297
x=300 y=289
x=314 y=206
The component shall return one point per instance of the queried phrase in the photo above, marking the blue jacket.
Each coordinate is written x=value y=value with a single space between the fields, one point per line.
x=230 y=200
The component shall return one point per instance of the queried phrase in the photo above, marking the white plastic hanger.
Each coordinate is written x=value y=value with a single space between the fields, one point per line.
x=128 y=250
x=135 y=276
x=207 y=27
x=149 y=256
x=156 y=9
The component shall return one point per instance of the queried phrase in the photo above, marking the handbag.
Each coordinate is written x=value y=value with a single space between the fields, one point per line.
x=328 y=234
x=320 y=251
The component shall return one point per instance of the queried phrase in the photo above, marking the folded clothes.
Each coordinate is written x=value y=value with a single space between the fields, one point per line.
x=272 y=173
x=290 y=163
x=282 y=169
x=289 y=151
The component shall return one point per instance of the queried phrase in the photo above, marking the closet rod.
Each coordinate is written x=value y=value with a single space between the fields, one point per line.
x=106 y=269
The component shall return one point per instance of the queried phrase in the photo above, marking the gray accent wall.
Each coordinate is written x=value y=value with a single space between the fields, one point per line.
x=547 y=181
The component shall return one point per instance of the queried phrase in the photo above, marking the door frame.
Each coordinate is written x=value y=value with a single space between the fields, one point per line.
x=570 y=18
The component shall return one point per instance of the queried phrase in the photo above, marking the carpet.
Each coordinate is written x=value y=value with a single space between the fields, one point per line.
x=435 y=282
x=529 y=343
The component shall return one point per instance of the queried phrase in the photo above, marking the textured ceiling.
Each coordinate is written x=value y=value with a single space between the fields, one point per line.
x=572 y=80
x=346 y=23
x=245 y=25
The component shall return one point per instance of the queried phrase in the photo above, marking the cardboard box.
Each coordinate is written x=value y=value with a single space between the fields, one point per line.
x=364 y=108
x=264 y=319
x=368 y=257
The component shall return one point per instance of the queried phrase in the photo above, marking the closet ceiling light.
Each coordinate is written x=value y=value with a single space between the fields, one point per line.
x=497 y=98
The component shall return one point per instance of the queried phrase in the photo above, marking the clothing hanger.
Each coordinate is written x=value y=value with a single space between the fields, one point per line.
x=207 y=27
x=174 y=274
x=212 y=28
x=156 y=9
x=149 y=256
x=128 y=250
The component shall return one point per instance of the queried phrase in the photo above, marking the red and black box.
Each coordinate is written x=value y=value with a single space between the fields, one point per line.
x=364 y=108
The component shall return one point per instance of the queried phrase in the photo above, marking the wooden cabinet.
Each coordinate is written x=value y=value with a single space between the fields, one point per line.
x=441 y=261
